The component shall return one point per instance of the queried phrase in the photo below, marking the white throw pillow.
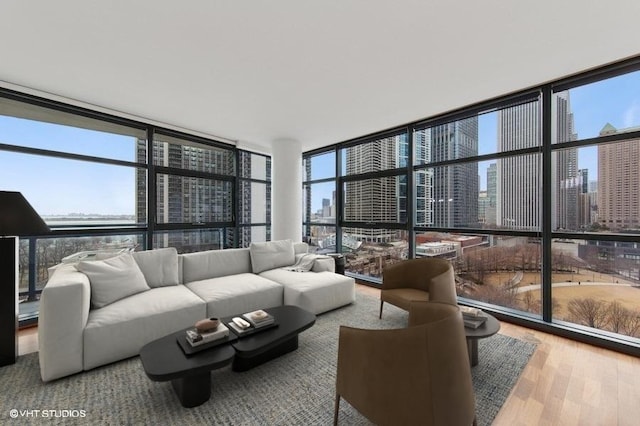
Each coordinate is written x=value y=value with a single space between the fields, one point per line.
x=271 y=255
x=159 y=267
x=113 y=279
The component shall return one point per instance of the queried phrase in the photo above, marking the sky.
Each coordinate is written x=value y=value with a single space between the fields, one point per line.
x=59 y=186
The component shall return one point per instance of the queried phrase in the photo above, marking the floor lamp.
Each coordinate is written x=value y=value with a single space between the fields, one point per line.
x=17 y=218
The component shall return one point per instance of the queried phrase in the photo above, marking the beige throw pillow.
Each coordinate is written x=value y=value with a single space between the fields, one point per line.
x=113 y=279
x=159 y=266
x=271 y=255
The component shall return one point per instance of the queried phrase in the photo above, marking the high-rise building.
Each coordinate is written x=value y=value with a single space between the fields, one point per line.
x=519 y=182
x=586 y=201
x=381 y=199
x=423 y=179
x=567 y=184
x=492 y=196
x=518 y=186
x=455 y=187
x=619 y=181
x=182 y=199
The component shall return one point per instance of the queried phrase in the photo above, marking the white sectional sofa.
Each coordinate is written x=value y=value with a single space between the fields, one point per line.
x=96 y=312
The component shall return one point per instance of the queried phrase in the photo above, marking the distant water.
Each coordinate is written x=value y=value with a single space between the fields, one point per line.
x=85 y=222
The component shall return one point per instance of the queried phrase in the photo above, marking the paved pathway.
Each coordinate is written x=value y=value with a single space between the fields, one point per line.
x=570 y=284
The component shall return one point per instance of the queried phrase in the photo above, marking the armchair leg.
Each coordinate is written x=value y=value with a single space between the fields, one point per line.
x=336 y=409
x=381 y=303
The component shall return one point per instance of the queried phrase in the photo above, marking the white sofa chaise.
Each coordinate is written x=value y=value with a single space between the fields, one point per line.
x=97 y=312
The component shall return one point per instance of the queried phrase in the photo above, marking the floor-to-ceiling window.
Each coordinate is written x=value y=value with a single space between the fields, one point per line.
x=319 y=202
x=103 y=183
x=194 y=194
x=254 y=198
x=596 y=207
x=534 y=197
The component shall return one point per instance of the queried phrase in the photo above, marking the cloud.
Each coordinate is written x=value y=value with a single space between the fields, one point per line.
x=632 y=114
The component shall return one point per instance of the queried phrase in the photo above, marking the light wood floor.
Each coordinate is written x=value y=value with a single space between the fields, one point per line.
x=565 y=382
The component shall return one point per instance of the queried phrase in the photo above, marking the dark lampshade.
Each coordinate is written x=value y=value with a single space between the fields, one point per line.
x=18 y=218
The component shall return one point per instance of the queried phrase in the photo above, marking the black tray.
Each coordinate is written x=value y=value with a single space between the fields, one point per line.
x=190 y=350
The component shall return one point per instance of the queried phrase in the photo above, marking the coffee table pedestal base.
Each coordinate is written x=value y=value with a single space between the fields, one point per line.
x=472 y=348
x=241 y=363
x=193 y=390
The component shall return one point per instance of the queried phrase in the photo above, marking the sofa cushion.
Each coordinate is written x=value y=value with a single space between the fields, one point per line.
x=121 y=329
x=113 y=279
x=300 y=248
x=316 y=292
x=159 y=267
x=271 y=254
x=236 y=294
x=215 y=263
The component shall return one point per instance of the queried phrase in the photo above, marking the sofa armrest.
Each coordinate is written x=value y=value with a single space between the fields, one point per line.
x=324 y=263
x=64 y=310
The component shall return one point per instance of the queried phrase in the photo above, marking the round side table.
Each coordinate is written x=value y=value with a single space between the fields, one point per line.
x=490 y=327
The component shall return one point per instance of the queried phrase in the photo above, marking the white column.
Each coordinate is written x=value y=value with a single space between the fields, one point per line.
x=286 y=190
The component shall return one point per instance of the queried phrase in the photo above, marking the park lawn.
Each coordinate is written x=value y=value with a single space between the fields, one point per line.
x=629 y=297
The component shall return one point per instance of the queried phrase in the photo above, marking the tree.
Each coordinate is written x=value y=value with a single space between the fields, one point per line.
x=590 y=312
x=531 y=304
x=632 y=325
x=617 y=316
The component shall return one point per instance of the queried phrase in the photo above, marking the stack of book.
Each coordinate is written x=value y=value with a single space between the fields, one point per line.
x=259 y=318
x=473 y=318
x=196 y=338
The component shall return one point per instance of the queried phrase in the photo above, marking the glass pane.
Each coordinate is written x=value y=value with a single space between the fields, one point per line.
x=449 y=141
x=321 y=239
x=488 y=195
x=254 y=202
x=192 y=241
x=597 y=109
x=76 y=193
x=519 y=192
x=254 y=166
x=183 y=154
x=319 y=201
x=502 y=270
x=382 y=154
x=320 y=166
x=510 y=195
x=31 y=126
x=368 y=251
x=376 y=200
x=574 y=200
x=447 y=196
x=257 y=234
x=52 y=251
x=618 y=186
x=183 y=199
x=494 y=131
x=595 y=284
x=23 y=267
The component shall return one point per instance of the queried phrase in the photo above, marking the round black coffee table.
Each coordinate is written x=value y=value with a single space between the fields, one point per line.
x=190 y=376
x=490 y=327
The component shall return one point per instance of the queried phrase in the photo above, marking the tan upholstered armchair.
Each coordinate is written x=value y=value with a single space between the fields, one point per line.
x=418 y=280
x=418 y=375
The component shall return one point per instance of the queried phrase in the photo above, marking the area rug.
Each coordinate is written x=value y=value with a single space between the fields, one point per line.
x=295 y=389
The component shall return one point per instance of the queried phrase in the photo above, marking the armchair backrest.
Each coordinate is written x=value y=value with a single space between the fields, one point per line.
x=433 y=275
x=416 y=375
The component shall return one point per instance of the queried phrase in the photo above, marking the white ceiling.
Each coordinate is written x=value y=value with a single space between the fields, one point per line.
x=318 y=72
